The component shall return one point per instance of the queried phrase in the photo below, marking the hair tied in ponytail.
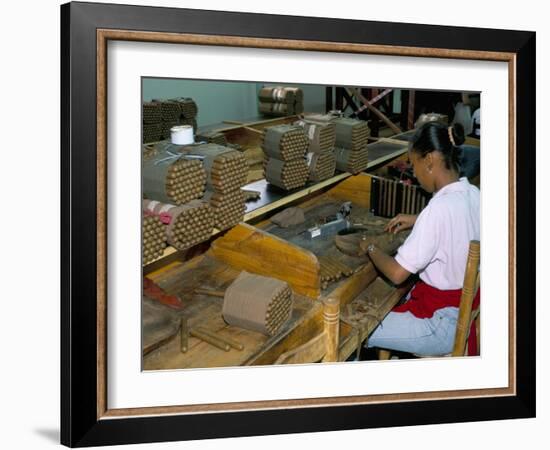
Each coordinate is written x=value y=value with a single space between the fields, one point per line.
x=451 y=138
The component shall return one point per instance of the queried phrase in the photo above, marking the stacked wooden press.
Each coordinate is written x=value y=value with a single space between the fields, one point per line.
x=172 y=183
x=351 y=144
x=284 y=148
x=280 y=101
x=159 y=116
x=320 y=152
x=226 y=171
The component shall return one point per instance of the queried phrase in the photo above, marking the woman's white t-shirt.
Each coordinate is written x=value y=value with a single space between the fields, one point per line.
x=437 y=248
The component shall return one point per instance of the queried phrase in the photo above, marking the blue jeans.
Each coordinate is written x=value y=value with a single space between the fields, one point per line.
x=403 y=331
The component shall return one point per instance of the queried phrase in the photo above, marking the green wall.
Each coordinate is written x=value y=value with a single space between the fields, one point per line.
x=224 y=100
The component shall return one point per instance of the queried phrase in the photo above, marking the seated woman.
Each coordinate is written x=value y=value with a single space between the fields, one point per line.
x=436 y=249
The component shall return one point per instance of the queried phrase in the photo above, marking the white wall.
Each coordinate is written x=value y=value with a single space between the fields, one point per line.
x=29 y=386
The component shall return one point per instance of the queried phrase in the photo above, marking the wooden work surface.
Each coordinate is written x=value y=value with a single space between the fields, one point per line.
x=369 y=297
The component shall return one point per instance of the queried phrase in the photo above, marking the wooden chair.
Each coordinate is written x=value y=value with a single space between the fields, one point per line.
x=324 y=346
x=465 y=313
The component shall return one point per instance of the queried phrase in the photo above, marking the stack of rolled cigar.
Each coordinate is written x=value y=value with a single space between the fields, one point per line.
x=154 y=238
x=226 y=170
x=352 y=161
x=152 y=132
x=351 y=144
x=170 y=177
x=352 y=134
x=188 y=107
x=284 y=149
x=321 y=165
x=281 y=101
x=320 y=153
x=152 y=112
x=257 y=303
x=159 y=116
x=170 y=110
x=186 y=225
x=332 y=270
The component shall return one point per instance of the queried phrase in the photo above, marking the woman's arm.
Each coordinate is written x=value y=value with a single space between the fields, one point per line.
x=386 y=264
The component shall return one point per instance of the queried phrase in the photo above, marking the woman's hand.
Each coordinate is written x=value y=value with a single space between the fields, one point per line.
x=401 y=222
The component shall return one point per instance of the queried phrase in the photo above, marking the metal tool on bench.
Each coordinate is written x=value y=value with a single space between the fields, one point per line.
x=333 y=224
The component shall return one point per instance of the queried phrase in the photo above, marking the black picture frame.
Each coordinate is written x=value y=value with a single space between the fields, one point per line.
x=82 y=424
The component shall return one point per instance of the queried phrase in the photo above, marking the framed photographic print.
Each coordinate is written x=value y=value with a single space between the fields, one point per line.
x=228 y=184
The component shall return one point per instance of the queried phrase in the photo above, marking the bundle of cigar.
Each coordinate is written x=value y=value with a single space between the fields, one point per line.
x=167 y=126
x=152 y=112
x=286 y=174
x=228 y=208
x=285 y=142
x=281 y=101
x=172 y=178
x=154 y=238
x=188 y=107
x=186 y=225
x=284 y=148
x=332 y=270
x=352 y=134
x=352 y=161
x=152 y=132
x=321 y=165
x=170 y=110
x=159 y=116
x=321 y=134
x=320 y=157
x=257 y=303
x=226 y=169
x=212 y=137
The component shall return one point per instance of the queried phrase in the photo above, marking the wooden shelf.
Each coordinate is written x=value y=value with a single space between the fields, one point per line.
x=272 y=198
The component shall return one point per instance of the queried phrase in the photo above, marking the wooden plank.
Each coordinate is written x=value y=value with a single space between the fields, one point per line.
x=354 y=285
x=247 y=248
x=356 y=189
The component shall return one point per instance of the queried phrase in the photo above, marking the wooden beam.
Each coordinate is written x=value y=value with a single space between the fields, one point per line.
x=376 y=111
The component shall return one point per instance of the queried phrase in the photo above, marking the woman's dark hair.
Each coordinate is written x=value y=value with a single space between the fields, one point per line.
x=435 y=136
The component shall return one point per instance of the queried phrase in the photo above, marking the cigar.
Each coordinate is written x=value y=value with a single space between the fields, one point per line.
x=231 y=342
x=215 y=341
x=210 y=292
x=184 y=333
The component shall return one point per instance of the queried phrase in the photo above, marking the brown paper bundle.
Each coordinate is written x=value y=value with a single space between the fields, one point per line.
x=286 y=174
x=226 y=169
x=151 y=112
x=189 y=225
x=257 y=303
x=352 y=134
x=280 y=109
x=152 y=132
x=321 y=135
x=285 y=142
x=228 y=208
x=352 y=161
x=321 y=165
x=279 y=94
x=154 y=238
x=171 y=178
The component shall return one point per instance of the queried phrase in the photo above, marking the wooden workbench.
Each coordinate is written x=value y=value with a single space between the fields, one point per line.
x=265 y=250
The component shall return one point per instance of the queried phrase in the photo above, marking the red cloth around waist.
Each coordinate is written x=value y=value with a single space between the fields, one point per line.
x=425 y=300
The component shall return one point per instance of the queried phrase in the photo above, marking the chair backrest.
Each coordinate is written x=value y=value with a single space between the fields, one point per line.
x=324 y=346
x=465 y=313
